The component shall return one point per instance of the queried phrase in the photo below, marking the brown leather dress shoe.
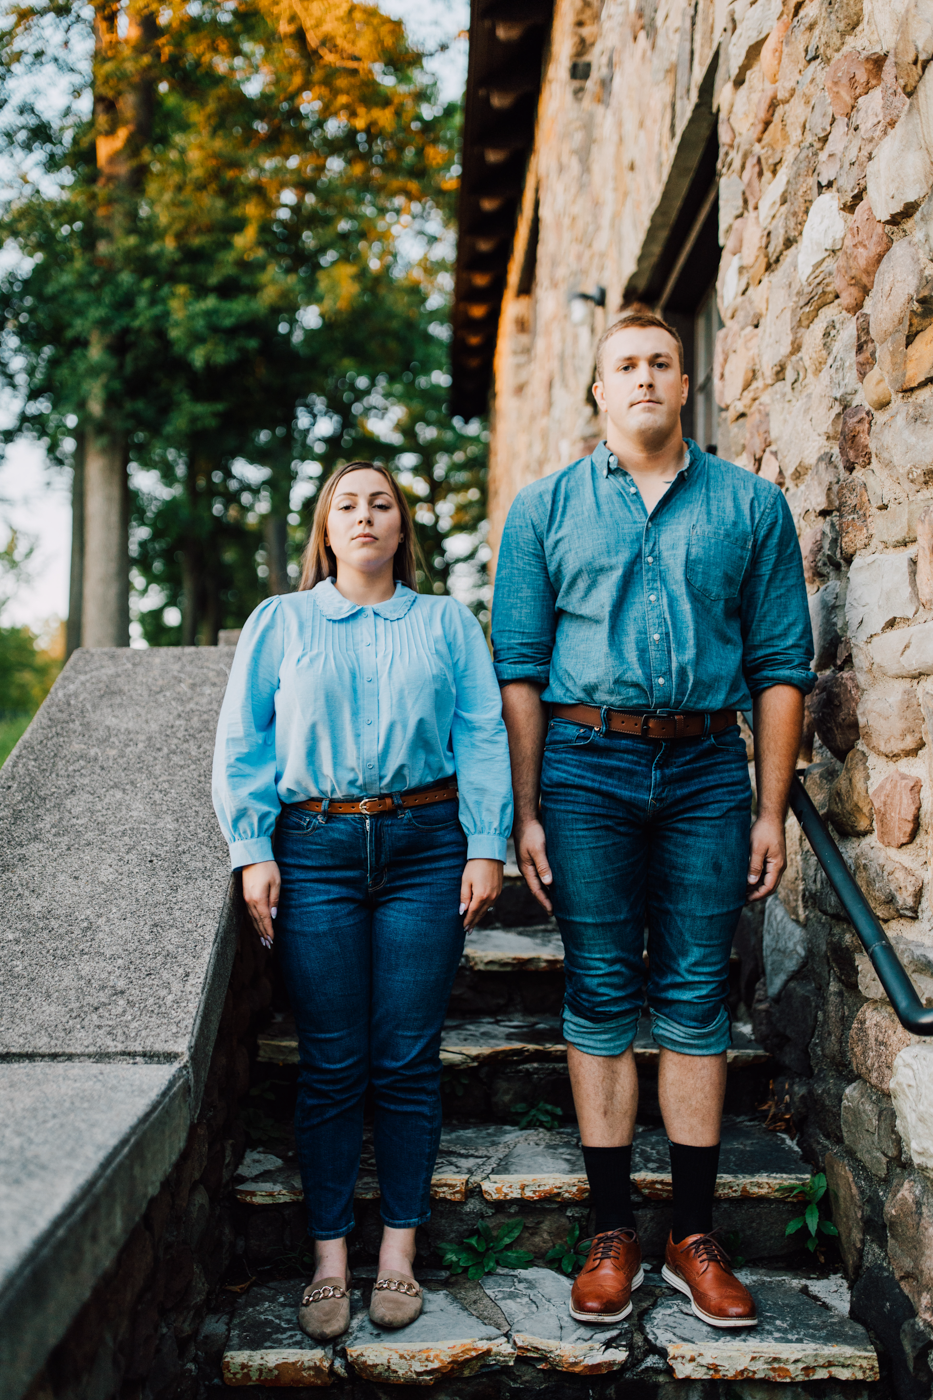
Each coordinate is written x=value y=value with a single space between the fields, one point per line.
x=700 y=1267
x=602 y=1291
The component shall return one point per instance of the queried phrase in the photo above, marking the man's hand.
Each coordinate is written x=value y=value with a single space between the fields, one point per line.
x=261 y=888
x=532 y=860
x=480 y=887
x=767 y=858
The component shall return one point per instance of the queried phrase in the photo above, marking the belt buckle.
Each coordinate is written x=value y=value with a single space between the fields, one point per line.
x=364 y=805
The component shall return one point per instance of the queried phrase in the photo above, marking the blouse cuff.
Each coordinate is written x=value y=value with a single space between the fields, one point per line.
x=485 y=845
x=250 y=852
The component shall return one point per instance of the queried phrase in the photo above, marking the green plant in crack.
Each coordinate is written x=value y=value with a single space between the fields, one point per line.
x=539 y=1115
x=815 y=1223
x=566 y=1258
x=454 y=1080
x=483 y=1252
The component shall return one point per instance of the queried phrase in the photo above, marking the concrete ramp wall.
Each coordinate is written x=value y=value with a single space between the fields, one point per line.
x=117 y=938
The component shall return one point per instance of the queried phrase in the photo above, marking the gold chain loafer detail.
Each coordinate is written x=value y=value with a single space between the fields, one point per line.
x=602 y=1291
x=396 y=1300
x=701 y=1268
x=325 y=1309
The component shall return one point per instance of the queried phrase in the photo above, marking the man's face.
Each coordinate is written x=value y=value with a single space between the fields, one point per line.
x=642 y=389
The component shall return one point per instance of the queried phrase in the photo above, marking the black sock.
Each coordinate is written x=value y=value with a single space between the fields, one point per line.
x=693 y=1183
x=608 y=1170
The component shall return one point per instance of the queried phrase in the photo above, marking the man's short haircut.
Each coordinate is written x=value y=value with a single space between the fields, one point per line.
x=632 y=318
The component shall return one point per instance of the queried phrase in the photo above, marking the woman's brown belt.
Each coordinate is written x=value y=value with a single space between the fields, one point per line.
x=647 y=726
x=368 y=806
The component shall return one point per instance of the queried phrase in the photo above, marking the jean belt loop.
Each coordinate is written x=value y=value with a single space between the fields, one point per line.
x=603 y=720
x=397 y=799
x=325 y=803
x=707 y=724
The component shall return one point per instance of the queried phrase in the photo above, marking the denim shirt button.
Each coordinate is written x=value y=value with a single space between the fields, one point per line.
x=660 y=682
x=655 y=638
x=650 y=558
x=652 y=598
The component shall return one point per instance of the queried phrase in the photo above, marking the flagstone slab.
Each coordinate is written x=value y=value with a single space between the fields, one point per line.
x=267 y=1347
x=798 y=1338
x=536 y=1303
x=447 y=1340
x=514 y=950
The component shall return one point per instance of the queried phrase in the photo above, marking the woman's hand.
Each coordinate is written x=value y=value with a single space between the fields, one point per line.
x=261 y=887
x=479 y=889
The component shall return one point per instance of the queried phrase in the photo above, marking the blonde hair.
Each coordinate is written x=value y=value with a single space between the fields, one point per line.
x=635 y=317
x=318 y=560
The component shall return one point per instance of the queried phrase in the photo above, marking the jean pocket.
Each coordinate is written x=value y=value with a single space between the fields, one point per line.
x=730 y=741
x=717 y=560
x=563 y=734
x=438 y=816
x=294 y=819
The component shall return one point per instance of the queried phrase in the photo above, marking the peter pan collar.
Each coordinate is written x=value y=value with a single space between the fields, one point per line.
x=336 y=607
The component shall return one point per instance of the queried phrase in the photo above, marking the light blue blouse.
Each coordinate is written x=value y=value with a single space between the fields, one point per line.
x=330 y=699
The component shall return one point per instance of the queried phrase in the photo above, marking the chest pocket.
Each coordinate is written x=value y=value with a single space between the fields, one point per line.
x=717 y=561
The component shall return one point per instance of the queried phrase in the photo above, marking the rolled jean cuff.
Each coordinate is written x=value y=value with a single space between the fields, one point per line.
x=406 y=1224
x=330 y=1234
x=612 y=1037
x=693 y=1040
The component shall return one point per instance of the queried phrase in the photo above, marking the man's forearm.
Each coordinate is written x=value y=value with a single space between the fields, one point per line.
x=778 y=713
x=526 y=721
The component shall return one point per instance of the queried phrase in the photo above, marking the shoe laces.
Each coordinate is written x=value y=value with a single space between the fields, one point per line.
x=608 y=1245
x=709 y=1250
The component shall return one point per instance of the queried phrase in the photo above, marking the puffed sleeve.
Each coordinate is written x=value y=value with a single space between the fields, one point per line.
x=244 y=783
x=479 y=740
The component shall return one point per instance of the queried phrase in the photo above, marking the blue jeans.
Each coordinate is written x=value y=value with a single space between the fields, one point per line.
x=646 y=832
x=369 y=937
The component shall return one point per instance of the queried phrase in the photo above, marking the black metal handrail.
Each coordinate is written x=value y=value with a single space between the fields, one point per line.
x=893 y=976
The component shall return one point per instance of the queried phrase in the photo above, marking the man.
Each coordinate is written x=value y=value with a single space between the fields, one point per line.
x=644 y=594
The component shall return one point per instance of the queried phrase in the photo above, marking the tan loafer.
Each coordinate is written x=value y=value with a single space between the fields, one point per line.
x=396 y=1301
x=325 y=1309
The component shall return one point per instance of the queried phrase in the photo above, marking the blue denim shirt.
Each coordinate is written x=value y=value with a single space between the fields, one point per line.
x=327 y=698
x=698 y=606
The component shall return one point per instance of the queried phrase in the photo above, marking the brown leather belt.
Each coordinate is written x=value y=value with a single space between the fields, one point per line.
x=647 y=726
x=369 y=806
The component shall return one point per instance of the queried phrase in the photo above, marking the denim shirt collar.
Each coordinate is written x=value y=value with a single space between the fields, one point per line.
x=336 y=607
x=605 y=461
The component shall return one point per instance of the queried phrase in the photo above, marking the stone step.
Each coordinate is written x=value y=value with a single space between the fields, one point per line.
x=536 y=1164
x=537 y=948
x=471 y=1042
x=522 y=1316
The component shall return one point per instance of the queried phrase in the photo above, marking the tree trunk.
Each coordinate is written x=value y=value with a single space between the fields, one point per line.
x=76 y=580
x=276 y=535
x=105 y=600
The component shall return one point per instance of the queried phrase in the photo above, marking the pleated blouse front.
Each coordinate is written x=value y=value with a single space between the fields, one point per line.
x=328 y=698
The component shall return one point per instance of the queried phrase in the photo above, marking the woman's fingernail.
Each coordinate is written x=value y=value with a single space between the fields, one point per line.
x=274 y=910
x=463 y=908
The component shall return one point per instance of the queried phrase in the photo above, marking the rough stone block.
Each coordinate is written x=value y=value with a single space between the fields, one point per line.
x=833 y=704
x=850 y=809
x=900 y=173
x=908 y=1214
x=918 y=361
x=903 y=445
x=267 y=1347
x=854 y=517
x=912 y=1095
x=780 y=331
x=876 y=390
x=822 y=235
x=882 y=590
x=896 y=801
x=819 y=492
x=750 y=35
x=906 y=652
x=847 y=1211
x=819 y=779
x=869 y=1127
x=824 y=623
x=445 y=1341
x=850 y=76
x=913 y=46
x=854 y=444
x=797 y=1339
x=890 y=719
x=925 y=556
x=898 y=279
x=893 y=890
x=865 y=244
x=784 y=947
x=875 y=1040
x=536 y=1304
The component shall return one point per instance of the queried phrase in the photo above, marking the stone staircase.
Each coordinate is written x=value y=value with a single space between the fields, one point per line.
x=503 y=1058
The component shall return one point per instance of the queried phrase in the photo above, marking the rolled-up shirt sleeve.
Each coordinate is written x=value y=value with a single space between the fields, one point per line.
x=524 y=617
x=479 y=741
x=244 y=780
x=776 y=631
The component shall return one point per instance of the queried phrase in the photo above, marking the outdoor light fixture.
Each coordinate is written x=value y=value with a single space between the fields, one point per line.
x=578 y=300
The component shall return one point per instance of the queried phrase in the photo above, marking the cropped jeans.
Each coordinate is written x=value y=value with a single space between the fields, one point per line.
x=644 y=832
x=369 y=937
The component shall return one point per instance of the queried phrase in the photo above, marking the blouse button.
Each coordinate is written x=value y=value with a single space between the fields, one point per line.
x=369 y=721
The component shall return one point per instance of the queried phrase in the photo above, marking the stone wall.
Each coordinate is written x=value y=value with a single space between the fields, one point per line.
x=824 y=378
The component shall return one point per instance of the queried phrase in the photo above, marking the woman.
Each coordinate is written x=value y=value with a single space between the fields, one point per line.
x=361 y=735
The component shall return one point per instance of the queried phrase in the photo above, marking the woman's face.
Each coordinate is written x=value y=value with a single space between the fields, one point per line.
x=364 y=524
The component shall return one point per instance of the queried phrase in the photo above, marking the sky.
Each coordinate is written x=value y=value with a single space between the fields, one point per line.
x=35 y=498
